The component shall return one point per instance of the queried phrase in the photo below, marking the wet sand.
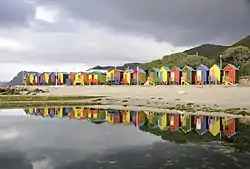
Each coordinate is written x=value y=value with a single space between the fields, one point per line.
x=158 y=96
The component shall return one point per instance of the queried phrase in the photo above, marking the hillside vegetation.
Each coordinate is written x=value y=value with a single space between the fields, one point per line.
x=208 y=54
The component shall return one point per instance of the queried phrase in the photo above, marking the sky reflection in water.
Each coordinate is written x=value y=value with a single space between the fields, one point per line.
x=51 y=143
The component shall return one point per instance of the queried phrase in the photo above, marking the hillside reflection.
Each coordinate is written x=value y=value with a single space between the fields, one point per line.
x=177 y=128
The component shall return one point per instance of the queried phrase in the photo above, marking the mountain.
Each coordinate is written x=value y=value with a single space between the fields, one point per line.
x=17 y=80
x=243 y=42
x=123 y=67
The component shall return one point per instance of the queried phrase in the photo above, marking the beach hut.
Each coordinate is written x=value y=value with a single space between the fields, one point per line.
x=52 y=78
x=215 y=74
x=62 y=77
x=175 y=75
x=228 y=126
x=188 y=75
x=36 y=78
x=142 y=77
x=71 y=78
x=29 y=78
x=115 y=76
x=187 y=123
x=44 y=112
x=44 y=78
x=26 y=80
x=114 y=117
x=52 y=112
x=164 y=74
x=231 y=74
x=163 y=121
x=202 y=73
x=154 y=75
x=174 y=121
x=59 y=112
x=127 y=76
x=81 y=78
x=201 y=124
x=138 y=118
x=97 y=78
x=214 y=125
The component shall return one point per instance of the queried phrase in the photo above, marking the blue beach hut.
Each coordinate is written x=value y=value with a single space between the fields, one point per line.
x=202 y=73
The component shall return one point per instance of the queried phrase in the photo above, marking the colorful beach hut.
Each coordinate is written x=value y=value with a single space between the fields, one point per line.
x=214 y=125
x=126 y=117
x=201 y=124
x=153 y=119
x=187 y=123
x=154 y=75
x=97 y=78
x=127 y=76
x=44 y=78
x=115 y=76
x=52 y=112
x=62 y=77
x=164 y=74
x=29 y=78
x=138 y=118
x=175 y=75
x=81 y=78
x=188 y=75
x=52 y=78
x=71 y=78
x=228 y=126
x=215 y=74
x=174 y=121
x=36 y=78
x=163 y=121
x=202 y=73
x=231 y=74
x=142 y=77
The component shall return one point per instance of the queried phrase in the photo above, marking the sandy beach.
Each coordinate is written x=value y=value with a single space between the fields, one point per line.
x=159 y=96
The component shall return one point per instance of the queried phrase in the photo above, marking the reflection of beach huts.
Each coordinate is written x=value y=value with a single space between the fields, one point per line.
x=62 y=77
x=126 y=117
x=52 y=112
x=59 y=112
x=188 y=75
x=163 y=121
x=202 y=73
x=175 y=75
x=44 y=112
x=230 y=74
x=153 y=119
x=127 y=76
x=78 y=113
x=201 y=124
x=81 y=78
x=142 y=77
x=138 y=118
x=154 y=75
x=215 y=74
x=214 y=125
x=186 y=123
x=68 y=112
x=114 y=116
x=228 y=126
x=29 y=111
x=164 y=74
x=174 y=121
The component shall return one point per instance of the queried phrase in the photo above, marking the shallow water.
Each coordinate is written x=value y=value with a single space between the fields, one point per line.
x=65 y=138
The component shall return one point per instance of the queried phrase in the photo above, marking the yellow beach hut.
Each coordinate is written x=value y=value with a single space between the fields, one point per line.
x=78 y=113
x=127 y=76
x=62 y=77
x=164 y=75
x=163 y=122
x=215 y=74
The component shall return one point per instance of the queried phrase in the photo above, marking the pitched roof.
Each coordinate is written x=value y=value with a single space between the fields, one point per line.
x=204 y=66
x=166 y=68
x=129 y=70
x=234 y=67
x=178 y=68
x=189 y=67
x=141 y=71
x=154 y=70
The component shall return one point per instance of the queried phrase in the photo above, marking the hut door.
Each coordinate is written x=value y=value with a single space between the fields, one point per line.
x=161 y=76
x=184 y=75
x=212 y=75
x=172 y=75
x=112 y=76
x=227 y=73
x=199 y=75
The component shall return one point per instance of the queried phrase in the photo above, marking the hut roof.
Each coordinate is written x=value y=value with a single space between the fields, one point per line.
x=166 y=68
x=231 y=65
x=154 y=70
x=141 y=70
x=178 y=68
x=204 y=66
x=189 y=67
x=129 y=70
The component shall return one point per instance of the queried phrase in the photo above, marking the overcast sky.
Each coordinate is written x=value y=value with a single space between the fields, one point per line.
x=41 y=35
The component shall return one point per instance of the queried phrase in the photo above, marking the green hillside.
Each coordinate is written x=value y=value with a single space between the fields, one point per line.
x=208 y=54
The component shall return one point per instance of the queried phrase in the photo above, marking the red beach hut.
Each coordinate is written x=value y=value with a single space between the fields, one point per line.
x=231 y=73
x=175 y=75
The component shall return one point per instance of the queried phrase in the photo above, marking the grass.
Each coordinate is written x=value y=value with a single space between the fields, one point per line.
x=48 y=104
x=11 y=98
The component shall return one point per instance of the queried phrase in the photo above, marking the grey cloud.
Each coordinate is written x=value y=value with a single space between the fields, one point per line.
x=182 y=23
x=15 y=13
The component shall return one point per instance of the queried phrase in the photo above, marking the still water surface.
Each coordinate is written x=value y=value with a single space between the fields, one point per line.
x=73 y=138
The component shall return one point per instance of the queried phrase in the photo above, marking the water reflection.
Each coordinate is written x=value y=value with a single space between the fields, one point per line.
x=178 y=128
x=84 y=138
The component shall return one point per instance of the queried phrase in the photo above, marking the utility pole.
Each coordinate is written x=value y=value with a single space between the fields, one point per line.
x=220 y=61
x=137 y=75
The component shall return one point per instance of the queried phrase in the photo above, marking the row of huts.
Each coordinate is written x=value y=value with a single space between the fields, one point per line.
x=163 y=121
x=164 y=75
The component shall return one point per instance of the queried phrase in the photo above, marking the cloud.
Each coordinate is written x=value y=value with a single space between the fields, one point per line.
x=15 y=13
x=183 y=23
x=8 y=134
